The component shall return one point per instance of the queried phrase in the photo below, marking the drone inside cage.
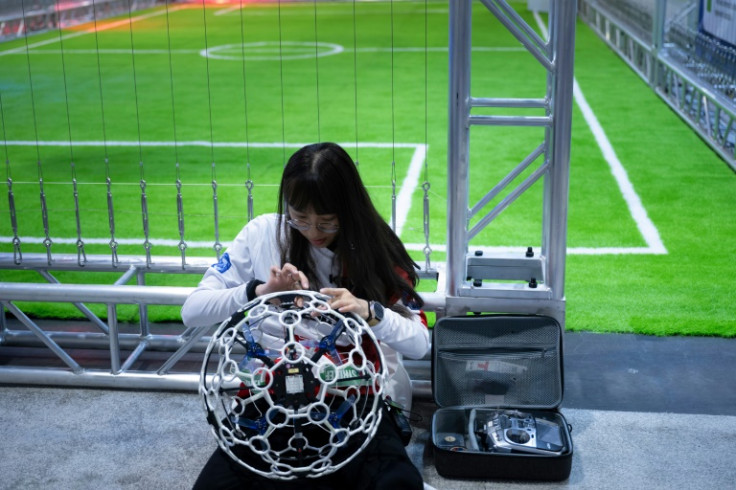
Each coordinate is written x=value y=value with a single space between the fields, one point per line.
x=292 y=387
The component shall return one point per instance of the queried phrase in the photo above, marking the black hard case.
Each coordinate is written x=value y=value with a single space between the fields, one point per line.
x=491 y=362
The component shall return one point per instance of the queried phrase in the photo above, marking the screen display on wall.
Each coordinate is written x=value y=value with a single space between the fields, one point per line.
x=718 y=18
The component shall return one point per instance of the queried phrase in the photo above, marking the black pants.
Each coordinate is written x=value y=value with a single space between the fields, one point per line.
x=383 y=464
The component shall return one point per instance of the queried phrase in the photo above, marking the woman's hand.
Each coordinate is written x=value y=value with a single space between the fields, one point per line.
x=343 y=301
x=287 y=278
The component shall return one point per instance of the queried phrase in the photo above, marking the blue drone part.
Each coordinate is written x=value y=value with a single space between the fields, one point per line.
x=260 y=425
x=335 y=417
x=254 y=350
x=329 y=343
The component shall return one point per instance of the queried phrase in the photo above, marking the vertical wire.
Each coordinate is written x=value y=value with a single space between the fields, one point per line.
x=47 y=242
x=393 y=128
x=17 y=254
x=108 y=181
x=248 y=181
x=316 y=67
x=81 y=255
x=179 y=198
x=144 y=196
x=393 y=195
x=209 y=88
x=249 y=188
x=281 y=75
x=355 y=80
x=393 y=111
x=5 y=137
x=425 y=185
x=217 y=245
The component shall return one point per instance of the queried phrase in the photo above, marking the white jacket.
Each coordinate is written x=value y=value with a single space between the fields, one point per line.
x=222 y=291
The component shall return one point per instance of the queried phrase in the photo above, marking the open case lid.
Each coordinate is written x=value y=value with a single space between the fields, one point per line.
x=511 y=361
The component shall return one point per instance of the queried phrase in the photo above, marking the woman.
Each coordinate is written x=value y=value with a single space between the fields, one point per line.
x=326 y=236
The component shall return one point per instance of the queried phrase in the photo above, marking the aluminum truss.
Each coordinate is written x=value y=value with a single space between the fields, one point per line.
x=689 y=85
x=126 y=350
x=486 y=283
x=141 y=356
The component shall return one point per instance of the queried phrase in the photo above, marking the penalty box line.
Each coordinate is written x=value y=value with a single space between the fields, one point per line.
x=645 y=225
x=403 y=199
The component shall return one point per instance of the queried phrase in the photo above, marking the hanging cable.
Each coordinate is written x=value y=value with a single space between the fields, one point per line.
x=81 y=255
x=217 y=245
x=425 y=185
x=47 y=242
x=171 y=85
x=393 y=128
x=17 y=255
x=111 y=215
x=249 y=181
x=355 y=81
x=144 y=196
x=393 y=195
x=316 y=67
x=182 y=245
x=180 y=219
x=249 y=187
x=108 y=181
x=281 y=75
x=393 y=102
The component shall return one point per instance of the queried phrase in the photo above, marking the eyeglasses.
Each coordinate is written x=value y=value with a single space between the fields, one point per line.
x=300 y=225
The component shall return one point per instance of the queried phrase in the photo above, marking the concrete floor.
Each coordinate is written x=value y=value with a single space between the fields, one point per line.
x=654 y=413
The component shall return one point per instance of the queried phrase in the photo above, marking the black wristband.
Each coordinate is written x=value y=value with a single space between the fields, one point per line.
x=250 y=290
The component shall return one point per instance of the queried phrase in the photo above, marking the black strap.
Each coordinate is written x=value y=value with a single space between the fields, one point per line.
x=250 y=290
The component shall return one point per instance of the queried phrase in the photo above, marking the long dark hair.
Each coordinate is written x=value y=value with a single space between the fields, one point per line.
x=324 y=177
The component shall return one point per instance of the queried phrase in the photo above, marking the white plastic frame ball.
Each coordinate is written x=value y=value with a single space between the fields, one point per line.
x=291 y=387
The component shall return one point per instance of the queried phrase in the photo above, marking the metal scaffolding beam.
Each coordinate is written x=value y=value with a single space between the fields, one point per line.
x=479 y=283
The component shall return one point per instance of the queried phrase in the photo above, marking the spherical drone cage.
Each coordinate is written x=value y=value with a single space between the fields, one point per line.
x=292 y=387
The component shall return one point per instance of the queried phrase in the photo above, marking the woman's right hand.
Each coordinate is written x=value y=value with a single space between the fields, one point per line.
x=286 y=278
x=343 y=301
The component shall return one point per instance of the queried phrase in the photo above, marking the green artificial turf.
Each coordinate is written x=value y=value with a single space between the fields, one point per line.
x=688 y=192
x=159 y=111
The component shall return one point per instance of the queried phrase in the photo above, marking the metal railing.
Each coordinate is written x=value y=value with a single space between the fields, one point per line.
x=135 y=356
x=693 y=72
x=68 y=347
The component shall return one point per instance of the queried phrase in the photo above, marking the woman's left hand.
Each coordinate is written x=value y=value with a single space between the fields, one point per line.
x=343 y=301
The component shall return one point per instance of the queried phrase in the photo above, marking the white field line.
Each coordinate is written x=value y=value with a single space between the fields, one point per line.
x=228 y=10
x=300 y=12
x=415 y=247
x=217 y=144
x=403 y=198
x=645 y=225
x=408 y=186
x=256 y=49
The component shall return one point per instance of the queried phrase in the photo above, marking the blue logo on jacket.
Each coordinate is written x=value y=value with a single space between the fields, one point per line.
x=223 y=265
